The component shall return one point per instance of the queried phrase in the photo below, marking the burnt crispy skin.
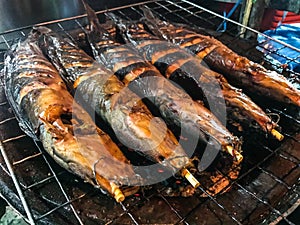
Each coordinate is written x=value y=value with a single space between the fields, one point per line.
x=143 y=78
x=49 y=113
x=239 y=70
x=184 y=68
x=119 y=107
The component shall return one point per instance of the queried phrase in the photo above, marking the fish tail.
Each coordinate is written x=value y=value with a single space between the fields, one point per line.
x=96 y=31
x=152 y=21
x=149 y=16
x=92 y=18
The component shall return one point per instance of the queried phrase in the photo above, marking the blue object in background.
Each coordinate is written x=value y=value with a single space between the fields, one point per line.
x=224 y=23
x=279 y=54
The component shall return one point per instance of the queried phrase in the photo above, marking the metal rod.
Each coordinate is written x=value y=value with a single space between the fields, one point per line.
x=274 y=177
x=7 y=120
x=59 y=184
x=236 y=23
x=263 y=202
x=286 y=115
x=220 y=206
x=60 y=206
x=77 y=17
x=3 y=103
x=16 y=183
x=171 y=207
x=4 y=169
x=14 y=138
x=184 y=19
x=5 y=41
x=281 y=215
x=41 y=181
x=286 y=213
x=27 y=158
x=129 y=214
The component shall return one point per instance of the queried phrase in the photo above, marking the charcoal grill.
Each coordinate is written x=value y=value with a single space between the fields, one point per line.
x=266 y=192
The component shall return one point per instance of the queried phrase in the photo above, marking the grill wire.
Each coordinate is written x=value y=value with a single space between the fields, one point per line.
x=49 y=194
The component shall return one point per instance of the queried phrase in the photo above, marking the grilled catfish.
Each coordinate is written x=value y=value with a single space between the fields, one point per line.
x=200 y=82
x=47 y=112
x=174 y=104
x=239 y=70
x=123 y=110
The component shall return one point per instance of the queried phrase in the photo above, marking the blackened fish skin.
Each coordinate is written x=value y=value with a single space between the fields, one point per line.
x=174 y=104
x=179 y=65
x=143 y=78
x=123 y=110
x=239 y=70
x=49 y=113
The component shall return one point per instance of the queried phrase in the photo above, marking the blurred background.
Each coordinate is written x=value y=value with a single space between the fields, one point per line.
x=15 y=13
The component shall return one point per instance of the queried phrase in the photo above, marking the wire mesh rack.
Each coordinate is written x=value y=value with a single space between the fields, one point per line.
x=266 y=191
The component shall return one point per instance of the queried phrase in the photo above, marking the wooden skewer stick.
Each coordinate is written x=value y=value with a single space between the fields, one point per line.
x=118 y=195
x=112 y=188
x=238 y=156
x=193 y=181
x=277 y=135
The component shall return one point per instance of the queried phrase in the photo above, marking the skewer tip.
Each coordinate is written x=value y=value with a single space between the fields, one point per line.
x=193 y=181
x=237 y=156
x=118 y=195
x=277 y=135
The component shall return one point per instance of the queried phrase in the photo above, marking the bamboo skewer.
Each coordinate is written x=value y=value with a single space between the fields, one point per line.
x=187 y=174
x=238 y=156
x=117 y=193
x=112 y=188
x=277 y=135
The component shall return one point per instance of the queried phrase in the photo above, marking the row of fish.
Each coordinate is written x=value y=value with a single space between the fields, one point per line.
x=46 y=111
x=113 y=86
x=240 y=71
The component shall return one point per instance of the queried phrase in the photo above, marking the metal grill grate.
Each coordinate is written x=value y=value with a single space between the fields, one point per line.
x=267 y=188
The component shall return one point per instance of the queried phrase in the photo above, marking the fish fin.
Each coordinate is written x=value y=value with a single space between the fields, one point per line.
x=151 y=21
x=96 y=31
x=92 y=17
x=148 y=14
